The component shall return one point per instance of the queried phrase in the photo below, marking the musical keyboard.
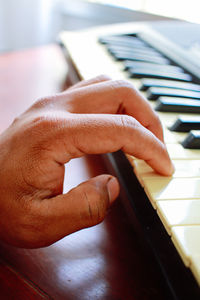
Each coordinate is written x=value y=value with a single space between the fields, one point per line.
x=168 y=74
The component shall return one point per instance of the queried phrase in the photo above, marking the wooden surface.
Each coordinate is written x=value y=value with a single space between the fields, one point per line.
x=106 y=262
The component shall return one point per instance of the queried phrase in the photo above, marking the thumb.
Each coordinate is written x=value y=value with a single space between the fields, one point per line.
x=84 y=206
x=92 y=199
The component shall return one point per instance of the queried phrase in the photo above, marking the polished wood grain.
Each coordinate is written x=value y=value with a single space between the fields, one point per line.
x=15 y=286
x=105 y=262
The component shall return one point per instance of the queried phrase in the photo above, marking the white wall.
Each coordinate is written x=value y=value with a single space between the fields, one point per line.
x=183 y=9
x=28 y=23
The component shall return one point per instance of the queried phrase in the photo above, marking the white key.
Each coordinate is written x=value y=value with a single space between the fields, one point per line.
x=167 y=188
x=179 y=212
x=183 y=168
x=176 y=151
x=187 y=241
x=173 y=137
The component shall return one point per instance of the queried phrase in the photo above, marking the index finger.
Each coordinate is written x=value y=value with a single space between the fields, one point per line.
x=96 y=134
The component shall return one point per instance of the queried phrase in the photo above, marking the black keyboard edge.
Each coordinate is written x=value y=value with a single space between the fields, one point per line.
x=179 y=279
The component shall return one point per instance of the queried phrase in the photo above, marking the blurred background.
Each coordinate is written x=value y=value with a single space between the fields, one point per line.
x=25 y=24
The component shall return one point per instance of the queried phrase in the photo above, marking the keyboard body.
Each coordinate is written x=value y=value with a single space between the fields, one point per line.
x=164 y=210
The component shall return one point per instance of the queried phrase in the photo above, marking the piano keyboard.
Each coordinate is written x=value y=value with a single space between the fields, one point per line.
x=133 y=52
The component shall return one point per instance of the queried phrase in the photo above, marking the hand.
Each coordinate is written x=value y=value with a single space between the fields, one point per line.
x=95 y=116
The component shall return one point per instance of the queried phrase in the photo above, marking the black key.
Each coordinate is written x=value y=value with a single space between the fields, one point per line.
x=154 y=93
x=113 y=48
x=140 y=73
x=147 y=83
x=185 y=124
x=134 y=51
x=121 y=40
x=140 y=57
x=170 y=104
x=137 y=64
x=192 y=140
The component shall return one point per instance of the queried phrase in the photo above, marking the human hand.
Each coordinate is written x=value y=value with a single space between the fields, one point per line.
x=92 y=117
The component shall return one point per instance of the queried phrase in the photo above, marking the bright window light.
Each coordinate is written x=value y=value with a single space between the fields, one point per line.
x=181 y=9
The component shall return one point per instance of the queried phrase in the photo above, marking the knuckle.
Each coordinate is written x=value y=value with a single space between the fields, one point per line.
x=124 y=85
x=41 y=120
x=128 y=122
x=16 y=120
x=33 y=131
x=124 y=89
x=103 y=77
x=42 y=125
x=42 y=102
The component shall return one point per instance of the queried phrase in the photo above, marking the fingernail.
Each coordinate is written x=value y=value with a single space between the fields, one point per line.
x=113 y=189
x=172 y=168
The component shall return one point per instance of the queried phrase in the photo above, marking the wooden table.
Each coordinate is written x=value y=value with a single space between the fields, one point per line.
x=106 y=262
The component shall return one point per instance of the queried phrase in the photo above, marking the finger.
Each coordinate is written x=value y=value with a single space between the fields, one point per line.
x=84 y=206
x=94 y=134
x=84 y=83
x=114 y=97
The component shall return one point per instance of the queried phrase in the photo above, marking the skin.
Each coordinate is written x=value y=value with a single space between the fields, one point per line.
x=95 y=116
